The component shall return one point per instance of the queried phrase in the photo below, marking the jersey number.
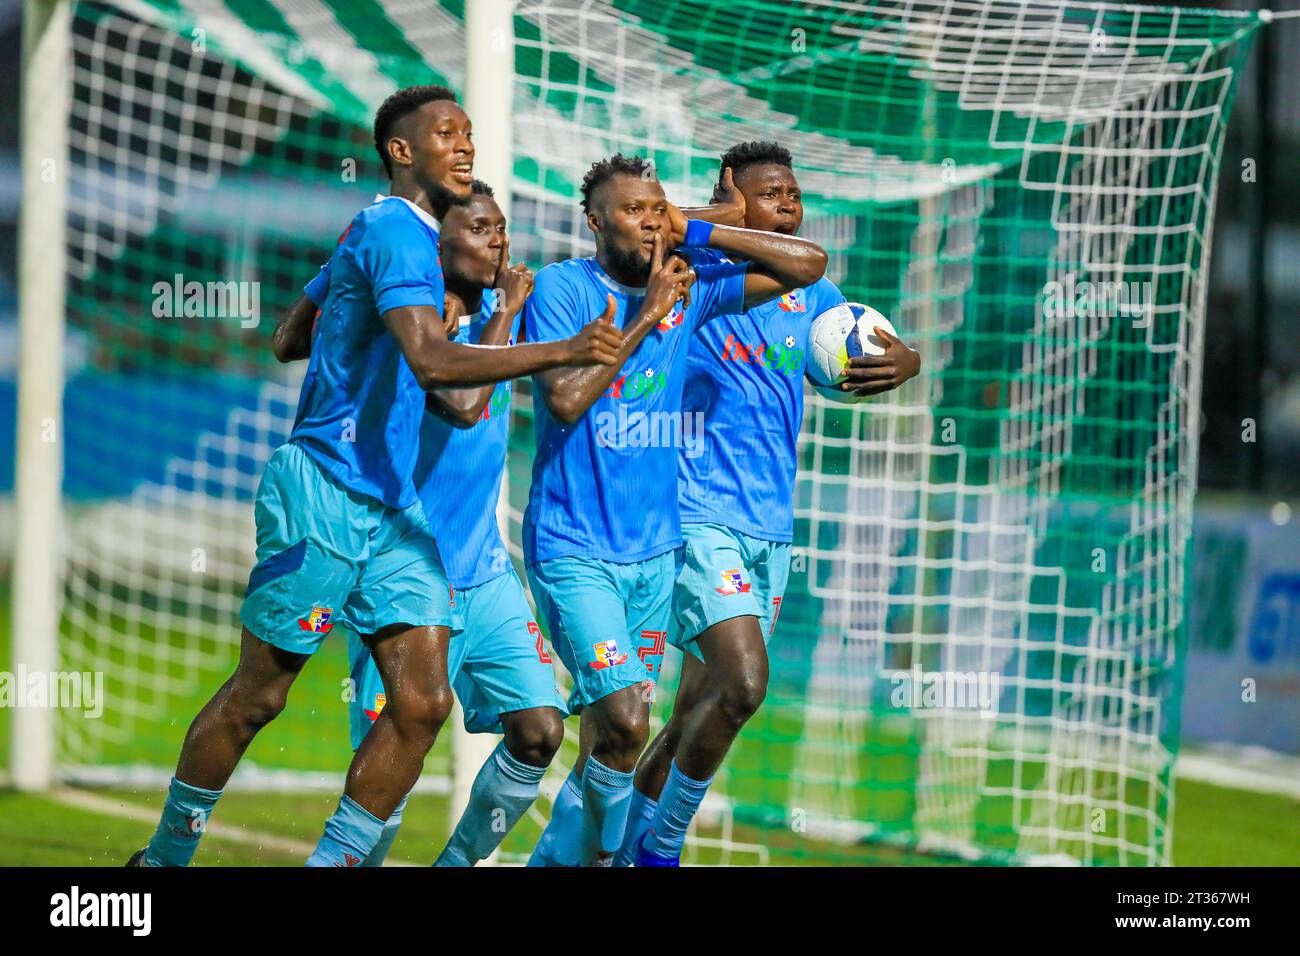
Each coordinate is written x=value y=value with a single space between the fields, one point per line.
x=536 y=631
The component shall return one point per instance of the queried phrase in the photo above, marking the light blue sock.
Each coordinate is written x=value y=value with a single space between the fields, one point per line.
x=677 y=805
x=605 y=796
x=639 y=814
x=184 y=818
x=502 y=793
x=350 y=836
x=561 y=841
x=386 y=837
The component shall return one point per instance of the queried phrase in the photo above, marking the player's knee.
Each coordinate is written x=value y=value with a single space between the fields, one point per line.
x=625 y=730
x=422 y=712
x=535 y=736
x=254 y=708
x=741 y=694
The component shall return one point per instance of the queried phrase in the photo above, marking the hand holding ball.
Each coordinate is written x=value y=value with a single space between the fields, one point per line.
x=837 y=335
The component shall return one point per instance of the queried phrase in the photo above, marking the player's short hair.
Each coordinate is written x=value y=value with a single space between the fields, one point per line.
x=398 y=105
x=605 y=170
x=754 y=152
x=480 y=188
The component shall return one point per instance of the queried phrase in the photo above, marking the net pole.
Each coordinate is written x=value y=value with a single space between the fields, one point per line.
x=489 y=86
x=38 y=479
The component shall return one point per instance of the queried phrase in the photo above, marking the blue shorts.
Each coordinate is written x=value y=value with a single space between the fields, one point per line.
x=608 y=622
x=497 y=664
x=326 y=554
x=725 y=574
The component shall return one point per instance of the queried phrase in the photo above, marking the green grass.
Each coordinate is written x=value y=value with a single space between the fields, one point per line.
x=1216 y=826
x=1213 y=826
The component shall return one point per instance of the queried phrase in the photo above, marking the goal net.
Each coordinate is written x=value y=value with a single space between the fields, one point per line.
x=980 y=650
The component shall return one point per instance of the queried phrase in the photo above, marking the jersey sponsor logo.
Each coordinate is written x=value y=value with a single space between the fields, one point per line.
x=607 y=655
x=792 y=302
x=498 y=404
x=781 y=357
x=536 y=631
x=672 y=319
x=641 y=384
x=380 y=700
x=734 y=582
x=318 y=620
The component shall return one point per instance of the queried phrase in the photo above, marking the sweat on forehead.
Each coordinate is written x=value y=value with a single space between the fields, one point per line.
x=626 y=187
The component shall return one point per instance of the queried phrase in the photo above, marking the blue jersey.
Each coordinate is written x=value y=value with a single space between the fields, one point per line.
x=604 y=487
x=360 y=409
x=745 y=376
x=458 y=477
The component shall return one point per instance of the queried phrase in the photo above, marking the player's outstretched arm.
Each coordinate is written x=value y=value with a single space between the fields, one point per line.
x=291 y=339
x=778 y=264
x=463 y=406
x=439 y=363
x=568 y=393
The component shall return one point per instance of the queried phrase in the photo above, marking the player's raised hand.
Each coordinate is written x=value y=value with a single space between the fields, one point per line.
x=516 y=285
x=726 y=194
x=670 y=282
x=873 y=374
x=452 y=311
x=600 y=340
x=677 y=223
x=503 y=264
x=515 y=282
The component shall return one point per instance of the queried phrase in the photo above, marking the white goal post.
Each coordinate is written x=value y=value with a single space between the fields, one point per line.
x=42 y=236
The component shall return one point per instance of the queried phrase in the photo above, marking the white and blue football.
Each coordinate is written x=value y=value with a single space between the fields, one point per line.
x=837 y=335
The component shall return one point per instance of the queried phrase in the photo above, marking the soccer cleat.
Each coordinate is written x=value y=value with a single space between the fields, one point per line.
x=645 y=858
x=137 y=859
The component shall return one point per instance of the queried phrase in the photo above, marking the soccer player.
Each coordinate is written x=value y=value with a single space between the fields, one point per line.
x=601 y=529
x=499 y=666
x=737 y=511
x=339 y=525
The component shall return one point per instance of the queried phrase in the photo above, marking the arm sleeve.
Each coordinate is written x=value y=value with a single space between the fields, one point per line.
x=825 y=295
x=319 y=286
x=553 y=311
x=719 y=289
x=400 y=259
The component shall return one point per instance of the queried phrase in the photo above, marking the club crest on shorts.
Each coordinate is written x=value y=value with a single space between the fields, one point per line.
x=318 y=620
x=733 y=582
x=607 y=655
x=380 y=700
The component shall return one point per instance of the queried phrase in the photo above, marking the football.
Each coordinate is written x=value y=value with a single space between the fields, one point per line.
x=837 y=335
